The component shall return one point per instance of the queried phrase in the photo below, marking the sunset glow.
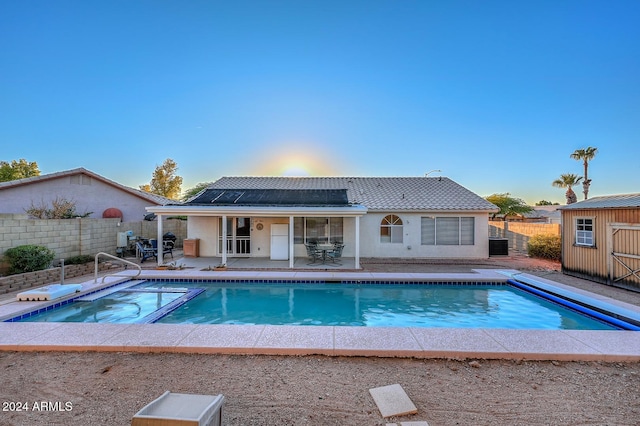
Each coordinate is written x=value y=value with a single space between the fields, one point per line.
x=298 y=159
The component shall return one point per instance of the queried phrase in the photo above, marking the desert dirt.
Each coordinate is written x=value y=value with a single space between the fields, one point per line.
x=87 y=388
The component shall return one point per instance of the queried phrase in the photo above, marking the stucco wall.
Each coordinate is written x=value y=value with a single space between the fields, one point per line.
x=411 y=246
x=89 y=194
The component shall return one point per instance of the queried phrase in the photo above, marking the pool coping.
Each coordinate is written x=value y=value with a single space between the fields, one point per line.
x=560 y=345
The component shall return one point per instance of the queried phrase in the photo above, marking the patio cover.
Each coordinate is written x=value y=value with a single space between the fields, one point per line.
x=267 y=203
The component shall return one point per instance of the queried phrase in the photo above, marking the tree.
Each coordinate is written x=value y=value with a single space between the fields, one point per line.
x=165 y=182
x=546 y=203
x=508 y=205
x=585 y=155
x=18 y=170
x=191 y=192
x=568 y=180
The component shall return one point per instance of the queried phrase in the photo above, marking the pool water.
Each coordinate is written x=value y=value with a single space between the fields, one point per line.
x=395 y=305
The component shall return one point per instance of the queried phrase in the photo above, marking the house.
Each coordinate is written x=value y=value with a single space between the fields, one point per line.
x=392 y=217
x=601 y=240
x=549 y=214
x=91 y=193
x=538 y=214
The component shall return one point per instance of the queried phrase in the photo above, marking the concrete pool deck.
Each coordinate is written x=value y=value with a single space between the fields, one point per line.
x=561 y=345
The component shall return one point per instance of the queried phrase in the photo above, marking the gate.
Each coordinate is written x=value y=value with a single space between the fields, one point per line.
x=623 y=248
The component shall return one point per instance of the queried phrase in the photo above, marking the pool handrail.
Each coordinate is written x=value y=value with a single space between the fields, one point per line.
x=95 y=279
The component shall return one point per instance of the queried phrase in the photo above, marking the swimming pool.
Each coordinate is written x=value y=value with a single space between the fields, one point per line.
x=477 y=305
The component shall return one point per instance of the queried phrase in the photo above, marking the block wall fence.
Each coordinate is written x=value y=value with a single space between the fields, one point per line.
x=519 y=233
x=73 y=237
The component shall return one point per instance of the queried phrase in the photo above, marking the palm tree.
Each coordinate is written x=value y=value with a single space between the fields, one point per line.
x=585 y=155
x=567 y=180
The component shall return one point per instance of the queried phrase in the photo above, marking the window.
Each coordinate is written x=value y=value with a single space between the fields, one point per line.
x=448 y=231
x=584 y=232
x=317 y=229
x=391 y=229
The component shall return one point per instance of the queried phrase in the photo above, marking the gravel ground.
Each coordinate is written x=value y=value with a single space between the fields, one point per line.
x=109 y=388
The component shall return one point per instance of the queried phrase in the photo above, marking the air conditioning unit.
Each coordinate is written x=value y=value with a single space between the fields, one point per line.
x=498 y=247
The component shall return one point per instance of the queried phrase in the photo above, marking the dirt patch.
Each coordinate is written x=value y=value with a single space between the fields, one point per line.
x=109 y=388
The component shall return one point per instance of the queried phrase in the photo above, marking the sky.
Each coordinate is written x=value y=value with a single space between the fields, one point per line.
x=495 y=95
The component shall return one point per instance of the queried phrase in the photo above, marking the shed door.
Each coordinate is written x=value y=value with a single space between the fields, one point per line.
x=624 y=254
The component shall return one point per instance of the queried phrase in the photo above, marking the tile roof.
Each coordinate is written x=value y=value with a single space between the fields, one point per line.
x=156 y=199
x=606 y=202
x=376 y=193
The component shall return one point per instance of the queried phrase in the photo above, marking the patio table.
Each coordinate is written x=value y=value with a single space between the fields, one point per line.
x=324 y=248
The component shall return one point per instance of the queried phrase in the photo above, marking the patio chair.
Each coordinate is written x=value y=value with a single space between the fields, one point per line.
x=313 y=253
x=167 y=248
x=145 y=251
x=336 y=253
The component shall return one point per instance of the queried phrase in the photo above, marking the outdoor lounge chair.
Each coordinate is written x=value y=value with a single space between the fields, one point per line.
x=145 y=252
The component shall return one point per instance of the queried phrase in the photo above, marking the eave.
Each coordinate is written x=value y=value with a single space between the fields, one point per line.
x=263 y=211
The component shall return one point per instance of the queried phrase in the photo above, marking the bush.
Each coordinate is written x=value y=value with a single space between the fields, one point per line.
x=545 y=246
x=28 y=258
x=79 y=260
x=61 y=208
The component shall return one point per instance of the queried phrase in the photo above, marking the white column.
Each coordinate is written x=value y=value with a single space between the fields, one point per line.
x=357 y=254
x=224 y=240
x=159 y=239
x=291 y=247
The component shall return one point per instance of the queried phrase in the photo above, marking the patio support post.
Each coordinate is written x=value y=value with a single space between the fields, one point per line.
x=291 y=251
x=357 y=253
x=224 y=240
x=159 y=240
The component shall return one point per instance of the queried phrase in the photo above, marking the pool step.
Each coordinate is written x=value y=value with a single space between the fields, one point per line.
x=107 y=291
x=171 y=306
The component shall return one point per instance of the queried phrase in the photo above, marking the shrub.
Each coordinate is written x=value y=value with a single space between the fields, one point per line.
x=61 y=208
x=79 y=260
x=28 y=258
x=545 y=246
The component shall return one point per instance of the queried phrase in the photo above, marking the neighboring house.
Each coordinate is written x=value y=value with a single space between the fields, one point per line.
x=90 y=192
x=601 y=240
x=550 y=214
x=395 y=217
x=539 y=214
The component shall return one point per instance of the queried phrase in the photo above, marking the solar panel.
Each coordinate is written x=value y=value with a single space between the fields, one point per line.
x=272 y=197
